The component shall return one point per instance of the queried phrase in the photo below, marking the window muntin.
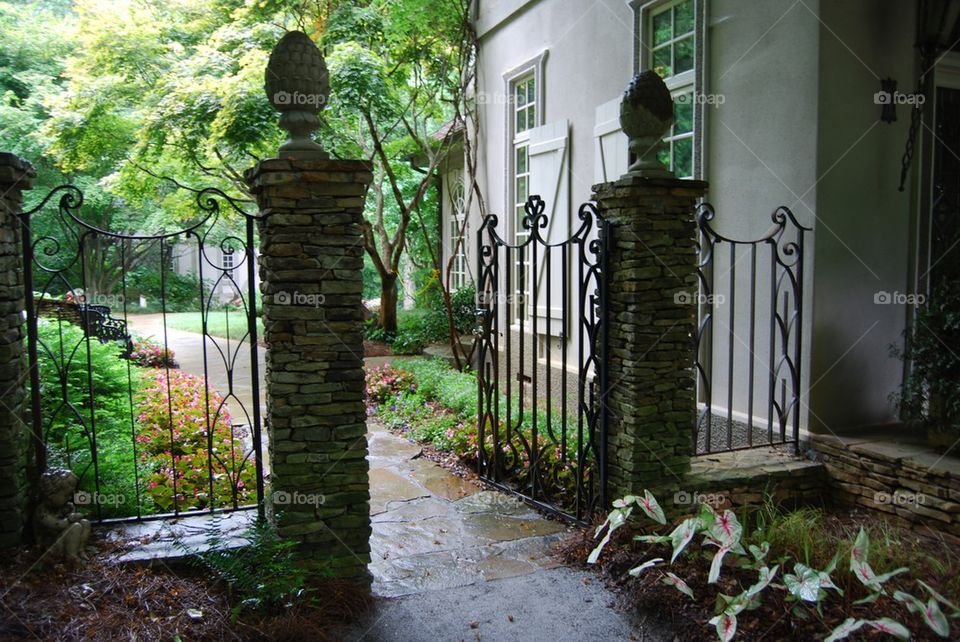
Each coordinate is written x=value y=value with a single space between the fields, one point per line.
x=672 y=38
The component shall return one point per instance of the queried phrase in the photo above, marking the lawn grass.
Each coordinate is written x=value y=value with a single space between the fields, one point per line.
x=218 y=321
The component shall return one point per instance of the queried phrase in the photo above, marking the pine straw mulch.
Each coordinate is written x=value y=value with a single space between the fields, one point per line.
x=776 y=619
x=110 y=602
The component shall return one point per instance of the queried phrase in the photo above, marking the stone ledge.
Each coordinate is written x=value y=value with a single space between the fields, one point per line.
x=905 y=481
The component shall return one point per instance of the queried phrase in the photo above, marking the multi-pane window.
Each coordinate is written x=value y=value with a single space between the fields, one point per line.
x=677 y=153
x=524 y=104
x=458 y=266
x=227 y=261
x=671 y=38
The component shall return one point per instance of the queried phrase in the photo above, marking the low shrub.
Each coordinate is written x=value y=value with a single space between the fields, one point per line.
x=931 y=392
x=173 y=438
x=262 y=575
x=428 y=322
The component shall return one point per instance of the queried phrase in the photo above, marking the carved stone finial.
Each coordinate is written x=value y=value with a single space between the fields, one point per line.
x=58 y=527
x=298 y=85
x=646 y=114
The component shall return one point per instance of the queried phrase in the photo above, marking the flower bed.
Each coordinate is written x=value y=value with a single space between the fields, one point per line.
x=173 y=446
x=804 y=575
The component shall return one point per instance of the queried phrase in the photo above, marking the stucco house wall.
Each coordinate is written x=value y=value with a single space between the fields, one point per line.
x=797 y=126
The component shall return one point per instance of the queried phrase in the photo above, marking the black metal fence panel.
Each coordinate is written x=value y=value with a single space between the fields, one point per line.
x=149 y=431
x=541 y=431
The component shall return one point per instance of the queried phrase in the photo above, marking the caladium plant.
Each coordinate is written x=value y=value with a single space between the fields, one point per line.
x=805 y=584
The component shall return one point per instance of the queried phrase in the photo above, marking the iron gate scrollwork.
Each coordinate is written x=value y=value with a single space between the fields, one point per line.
x=749 y=314
x=145 y=438
x=541 y=424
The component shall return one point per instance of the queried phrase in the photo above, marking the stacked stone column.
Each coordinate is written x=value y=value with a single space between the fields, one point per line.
x=310 y=267
x=650 y=397
x=16 y=176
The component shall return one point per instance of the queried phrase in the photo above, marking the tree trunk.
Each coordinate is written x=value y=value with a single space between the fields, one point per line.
x=388 y=303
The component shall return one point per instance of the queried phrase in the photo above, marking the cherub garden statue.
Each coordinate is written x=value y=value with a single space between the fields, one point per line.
x=61 y=530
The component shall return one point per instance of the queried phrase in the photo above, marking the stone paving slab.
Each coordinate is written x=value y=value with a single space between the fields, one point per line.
x=153 y=540
x=433 y=530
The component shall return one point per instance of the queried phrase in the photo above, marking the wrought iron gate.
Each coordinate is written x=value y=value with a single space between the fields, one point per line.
x=145 y=438
x=541 y=425
x=751 y=319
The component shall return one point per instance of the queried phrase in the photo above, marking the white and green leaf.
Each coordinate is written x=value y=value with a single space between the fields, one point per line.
x=716 y=564
x=672 y=580
x=803 y=583
x=890 y=627
x=637 y=570
x=649 y=505
x=682 y=535
x=850 y=625
x=726 y=626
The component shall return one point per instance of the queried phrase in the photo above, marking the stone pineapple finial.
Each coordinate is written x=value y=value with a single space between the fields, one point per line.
x=298 y=84
x=646 y=114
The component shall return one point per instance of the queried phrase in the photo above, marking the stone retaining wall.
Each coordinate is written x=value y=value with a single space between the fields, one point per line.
x=913 y=487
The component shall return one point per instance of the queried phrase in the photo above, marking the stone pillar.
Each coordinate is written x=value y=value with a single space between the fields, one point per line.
x=311 y=264
x=16 y=176
x=650 y=399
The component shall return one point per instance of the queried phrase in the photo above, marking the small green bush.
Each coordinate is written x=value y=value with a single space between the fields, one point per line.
x=262 y=576
x=931 y=392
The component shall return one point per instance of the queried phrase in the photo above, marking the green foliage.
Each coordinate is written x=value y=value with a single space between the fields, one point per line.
x=807 y=584
x=67 y=405
x=428 y=323
x=173 y=291
x=262 y=575
x=931 y=391
x=442 y=410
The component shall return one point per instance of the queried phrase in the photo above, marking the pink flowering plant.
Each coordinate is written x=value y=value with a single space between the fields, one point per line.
x=386 y=383
x=151 y=355
x=172 y=454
